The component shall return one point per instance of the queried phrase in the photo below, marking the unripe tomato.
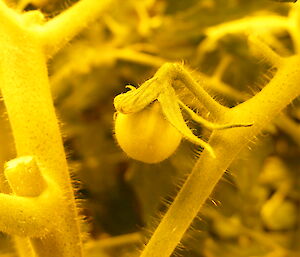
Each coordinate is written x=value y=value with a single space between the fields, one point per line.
x=146 y=135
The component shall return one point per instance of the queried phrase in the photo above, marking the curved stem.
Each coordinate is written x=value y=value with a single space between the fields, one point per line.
x=260 y=109
x=172 y=72
x=29 y=216
x=209 y=124
x=240 y=25
x=61 y=29
x=252 y=24
x=8 y=17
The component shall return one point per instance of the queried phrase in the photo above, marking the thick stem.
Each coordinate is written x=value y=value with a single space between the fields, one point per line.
x=26 y=93
x=22 y=244
x=61 y=29
x=29 y=216
x=260 y=110
x=6 y=150
x=26 y=214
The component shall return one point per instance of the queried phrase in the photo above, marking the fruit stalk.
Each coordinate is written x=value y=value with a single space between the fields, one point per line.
x=259 y=110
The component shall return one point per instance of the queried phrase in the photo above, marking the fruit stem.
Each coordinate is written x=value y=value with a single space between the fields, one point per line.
x=227 y=144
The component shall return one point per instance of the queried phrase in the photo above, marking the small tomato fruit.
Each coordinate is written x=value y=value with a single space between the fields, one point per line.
x=146 y=135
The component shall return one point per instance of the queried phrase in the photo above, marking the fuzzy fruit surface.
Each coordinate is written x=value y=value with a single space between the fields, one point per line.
x=146 y=135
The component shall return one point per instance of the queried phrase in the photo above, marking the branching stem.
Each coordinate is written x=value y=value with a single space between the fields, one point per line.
x=30 y=214
x=172 y=72
x=26 y=93
x=61 y=29
x=260 y=109
x=265 y=51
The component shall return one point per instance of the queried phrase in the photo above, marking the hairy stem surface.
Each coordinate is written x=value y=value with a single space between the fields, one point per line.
x=259 y=110
x=26 y=93
x=61 y=29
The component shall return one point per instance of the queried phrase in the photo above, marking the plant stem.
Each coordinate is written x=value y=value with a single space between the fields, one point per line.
x=172 y=72
x=26 y=93
x=293 y=28
x=290 y=127
x=113 y=242
x=28 y=213
x=8 y=17
x=260 y=110
x=265 y=51
x=61 y=29
x=250 y=24
x=247 y=23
